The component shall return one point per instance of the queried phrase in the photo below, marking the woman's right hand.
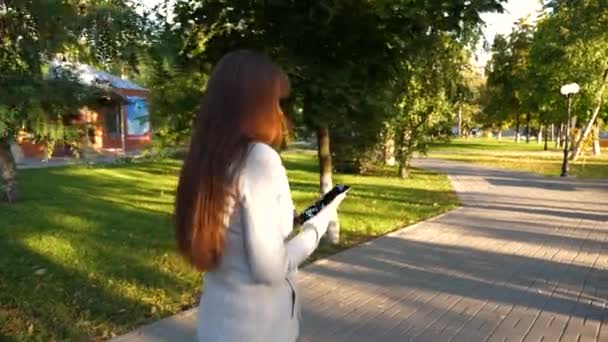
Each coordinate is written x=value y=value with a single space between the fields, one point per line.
x=322 y=219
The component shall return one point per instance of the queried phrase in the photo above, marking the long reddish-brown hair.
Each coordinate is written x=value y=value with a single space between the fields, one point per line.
x=240 y=106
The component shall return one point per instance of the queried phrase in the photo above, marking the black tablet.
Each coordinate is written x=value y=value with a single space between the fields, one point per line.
x=314 y=209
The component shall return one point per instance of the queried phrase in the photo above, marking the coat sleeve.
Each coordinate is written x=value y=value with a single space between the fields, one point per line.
x=270 y=256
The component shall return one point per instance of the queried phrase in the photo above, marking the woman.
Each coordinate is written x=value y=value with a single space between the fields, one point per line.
x=234 y=211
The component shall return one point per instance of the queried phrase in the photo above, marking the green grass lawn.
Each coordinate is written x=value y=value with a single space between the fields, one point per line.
x=521 y=156
x=89 y=252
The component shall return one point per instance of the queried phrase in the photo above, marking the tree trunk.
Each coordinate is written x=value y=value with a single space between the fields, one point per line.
x=575 y=135
x=325 y=166
x=576 y=150
x=499 y=135
x=404 y=154
x=460 y=121
x=552 y=132
x=558 y=137
x=539 y=134
x=597 y=150
x=8 y=173
x=517 y=135
x=389 y=151
x=326 y=184
x=403 y=173
x=547 y=137
x=528 y=128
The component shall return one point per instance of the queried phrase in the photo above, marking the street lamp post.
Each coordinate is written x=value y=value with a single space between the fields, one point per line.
x=568 y=90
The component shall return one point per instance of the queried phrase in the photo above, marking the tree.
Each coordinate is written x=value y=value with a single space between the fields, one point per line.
x=547 y=72
x=434 y=88
x=571 y=44
x=469 y=97
x=33 y=33
x=337 y=56
x=500 y=103
x=175 y=88
x=520 y=41
x=509 y=93
x=344 y=58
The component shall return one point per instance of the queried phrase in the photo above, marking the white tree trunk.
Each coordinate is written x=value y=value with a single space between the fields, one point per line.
x=597 y=149
x=546 y=138
x=517 y=127
x=528 y=128
x=576 y=150
x=389 y=152
x=325 y=166
x=460 y=121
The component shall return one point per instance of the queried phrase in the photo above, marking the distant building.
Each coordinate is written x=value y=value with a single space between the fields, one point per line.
x=118 y=124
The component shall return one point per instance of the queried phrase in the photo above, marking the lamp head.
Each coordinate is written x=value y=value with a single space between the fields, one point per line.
x=570 y=89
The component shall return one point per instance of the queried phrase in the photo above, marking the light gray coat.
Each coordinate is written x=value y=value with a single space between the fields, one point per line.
x=252 y=296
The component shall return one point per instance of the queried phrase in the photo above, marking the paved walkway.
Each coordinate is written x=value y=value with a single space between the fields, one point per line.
x=524 y=259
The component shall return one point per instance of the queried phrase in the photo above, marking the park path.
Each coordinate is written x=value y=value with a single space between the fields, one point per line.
x=525 y=258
